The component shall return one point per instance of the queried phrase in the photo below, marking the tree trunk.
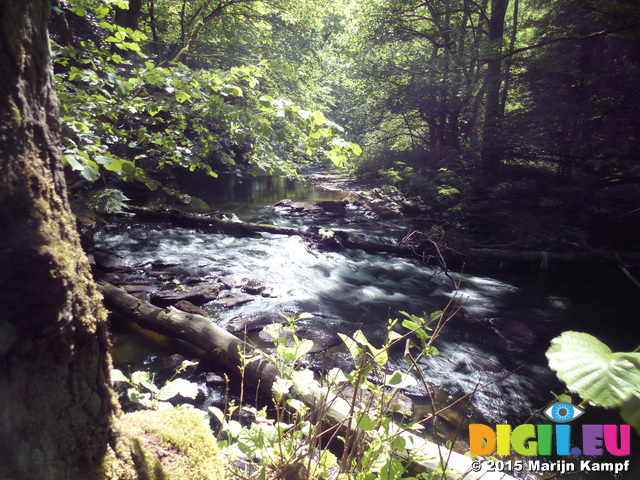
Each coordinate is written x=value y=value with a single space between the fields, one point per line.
x=491 y=153
x=56 y=406
x=129 y=18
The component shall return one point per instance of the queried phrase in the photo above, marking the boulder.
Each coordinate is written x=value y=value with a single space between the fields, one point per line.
x=230 y=299
x=197 y=295
x=189 y=307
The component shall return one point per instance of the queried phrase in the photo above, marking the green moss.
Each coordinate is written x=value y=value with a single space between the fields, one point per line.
x=167 y=445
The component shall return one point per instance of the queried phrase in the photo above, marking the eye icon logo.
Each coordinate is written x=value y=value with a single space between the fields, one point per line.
x=563 y=412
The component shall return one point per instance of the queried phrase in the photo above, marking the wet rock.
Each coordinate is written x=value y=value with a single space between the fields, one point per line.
x=197 y=295
x=161 y=265
x=249 y=323
x=229 y=299
x=253 y=288
x=325 y=209
x=166 y=367
x=115 y=278
x=232 y=281
x=87 y=228
x=143 y=292
x=215 y=379
x=110 y=262
x=189 y=307
x=322 y=339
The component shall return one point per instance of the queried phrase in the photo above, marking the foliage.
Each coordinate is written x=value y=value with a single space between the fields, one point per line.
x=108 y=200
x=420 y=73
x=143 y=390
x=295 y=442
x=124 y=114
x=598 y=375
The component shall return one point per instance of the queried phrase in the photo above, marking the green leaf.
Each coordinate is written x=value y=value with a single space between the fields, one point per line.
x=318 y=118
x=630 y=411
x=266 y=101
x=90 y=172
x=115 y=165
x=360 y=337
x=593 y=371
x=232 y=90
x=399 y=379
x=273 y=330
x=303 y=348
x=182 y=96
x=351 y=345
x=216 y=412
x=139 y=397
x=144 y=379
x=118 y=376
x=179 y=386
x=304 y=381
x=364 y=422
x=281 y=386
x=73 y=161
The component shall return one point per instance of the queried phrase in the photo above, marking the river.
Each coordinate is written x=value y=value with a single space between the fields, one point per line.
x=501 y=334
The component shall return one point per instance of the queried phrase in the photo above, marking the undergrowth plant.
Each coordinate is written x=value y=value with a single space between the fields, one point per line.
x=143 y=390
x=296 y=442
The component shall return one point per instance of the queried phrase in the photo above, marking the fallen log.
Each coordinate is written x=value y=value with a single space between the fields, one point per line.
x=232 y=352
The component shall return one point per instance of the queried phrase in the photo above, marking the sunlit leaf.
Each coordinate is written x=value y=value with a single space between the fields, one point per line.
x=399 y=379
x=143 y=379
x=216 y=412
x=593 y=371
x=118 y=376
x=364 y=422
x=630 y=411
x=351 y=345
x=179 y=386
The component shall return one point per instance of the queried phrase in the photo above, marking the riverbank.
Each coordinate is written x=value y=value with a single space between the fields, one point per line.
x=536 y=229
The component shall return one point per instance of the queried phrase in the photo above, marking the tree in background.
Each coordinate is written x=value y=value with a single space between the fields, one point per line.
x=495 y=81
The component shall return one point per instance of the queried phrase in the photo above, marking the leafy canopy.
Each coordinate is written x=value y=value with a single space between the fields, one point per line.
x=123 y=114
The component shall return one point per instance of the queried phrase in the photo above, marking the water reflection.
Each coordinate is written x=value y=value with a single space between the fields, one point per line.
x=247 y=196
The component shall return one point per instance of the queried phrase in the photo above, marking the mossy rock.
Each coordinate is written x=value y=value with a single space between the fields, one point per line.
x=166 y=445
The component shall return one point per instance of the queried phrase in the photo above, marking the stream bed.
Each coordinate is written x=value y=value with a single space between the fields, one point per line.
x=498 y=338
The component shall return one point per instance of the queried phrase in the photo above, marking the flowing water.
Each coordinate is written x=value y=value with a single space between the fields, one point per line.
x=501 y=333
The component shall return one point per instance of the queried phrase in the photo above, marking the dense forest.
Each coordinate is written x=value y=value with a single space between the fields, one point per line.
x=509 y=128
x=515 y=121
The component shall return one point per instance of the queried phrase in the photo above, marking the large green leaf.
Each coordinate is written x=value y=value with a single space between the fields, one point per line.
x=630 y=412
x=179 y=386
x=593 y=371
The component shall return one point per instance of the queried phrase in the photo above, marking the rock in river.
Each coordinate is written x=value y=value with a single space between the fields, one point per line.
x=198 y=295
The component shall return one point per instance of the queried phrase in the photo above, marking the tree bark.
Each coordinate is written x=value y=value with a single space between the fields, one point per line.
x=491 y=152
x=129 y=18
x=56 y=406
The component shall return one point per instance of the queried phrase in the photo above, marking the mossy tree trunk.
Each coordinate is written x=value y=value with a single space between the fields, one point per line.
x=56 y=407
